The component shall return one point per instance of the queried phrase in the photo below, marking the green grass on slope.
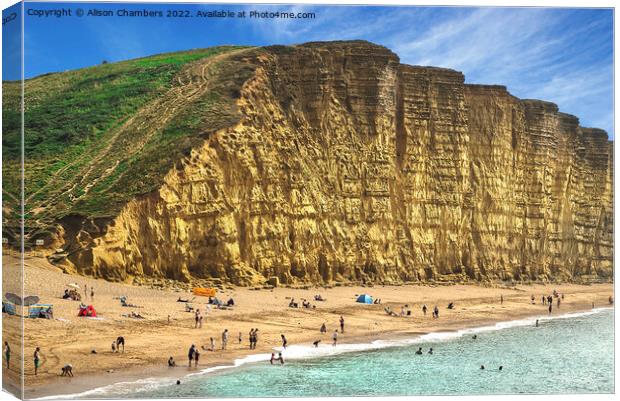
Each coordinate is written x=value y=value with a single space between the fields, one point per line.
x=71 y=119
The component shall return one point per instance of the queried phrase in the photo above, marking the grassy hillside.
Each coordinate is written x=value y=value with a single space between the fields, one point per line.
x=97 y=137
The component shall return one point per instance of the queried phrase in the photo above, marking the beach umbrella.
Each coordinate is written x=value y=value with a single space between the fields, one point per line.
x=31 y=300
x=16 y=299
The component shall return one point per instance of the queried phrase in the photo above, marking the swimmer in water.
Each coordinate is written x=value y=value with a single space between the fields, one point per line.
x=430 y=351
x=419 y=351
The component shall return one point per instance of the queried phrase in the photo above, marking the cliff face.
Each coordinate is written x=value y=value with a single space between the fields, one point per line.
x=346 y=165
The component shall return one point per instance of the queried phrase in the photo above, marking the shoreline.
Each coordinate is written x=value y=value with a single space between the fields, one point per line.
x=166 y=329
x=162 y=376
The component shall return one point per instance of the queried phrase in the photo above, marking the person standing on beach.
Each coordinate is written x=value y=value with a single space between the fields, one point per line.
x=255 y=337
x=323 y=328
x=424 y=309
x=92 y=293
x=341 y=324
x=120 y=340
x=335 y=337
x=37 y=360
x=239 y=337
x=7 y=354
x=212 y=344
x=436 y=312
x=543 y=300
x=550 y=308
x=284 y=342
x=559 y=302
x=196 y=357
x=190 y=354
x=196 y=318
x=251 y=338
x=224 y=339
x=501 y=299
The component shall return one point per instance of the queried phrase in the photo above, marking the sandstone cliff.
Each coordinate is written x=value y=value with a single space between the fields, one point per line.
x=341 y=164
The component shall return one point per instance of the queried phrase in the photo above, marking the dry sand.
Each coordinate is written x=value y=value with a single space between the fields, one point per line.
x=151 y=341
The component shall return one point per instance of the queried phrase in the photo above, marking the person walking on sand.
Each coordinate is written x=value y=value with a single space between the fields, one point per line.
x=196 y=318
x=190 y=354
x=341 y=324
x=37 y=360
x=335 y=337
x=284 y=342
x=224 y=339
x=424 y=309
x=7 y=354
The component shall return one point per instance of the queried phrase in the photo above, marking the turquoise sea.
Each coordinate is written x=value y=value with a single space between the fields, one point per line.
x=566 y=354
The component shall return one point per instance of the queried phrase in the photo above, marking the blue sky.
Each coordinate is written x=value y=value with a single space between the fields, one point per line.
x=560 y=55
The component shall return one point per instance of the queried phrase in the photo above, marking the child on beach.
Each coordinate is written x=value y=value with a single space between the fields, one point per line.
x=196 y=357
x=284 y=342
x=37 y=359
x=67 y=370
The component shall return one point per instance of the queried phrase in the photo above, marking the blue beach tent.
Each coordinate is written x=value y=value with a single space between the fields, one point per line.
x=364 y=299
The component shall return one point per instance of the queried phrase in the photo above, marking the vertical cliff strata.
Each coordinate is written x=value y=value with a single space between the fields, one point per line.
x=345 y=165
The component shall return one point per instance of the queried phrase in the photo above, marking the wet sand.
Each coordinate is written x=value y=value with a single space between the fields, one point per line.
x=151 y=341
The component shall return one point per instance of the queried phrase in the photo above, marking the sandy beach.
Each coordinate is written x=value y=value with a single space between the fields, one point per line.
x=152 y=340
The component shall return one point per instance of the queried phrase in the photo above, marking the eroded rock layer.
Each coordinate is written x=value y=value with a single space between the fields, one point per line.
x=346 y=165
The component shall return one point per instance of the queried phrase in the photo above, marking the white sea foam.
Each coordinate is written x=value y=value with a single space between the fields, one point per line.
x=296 y=352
